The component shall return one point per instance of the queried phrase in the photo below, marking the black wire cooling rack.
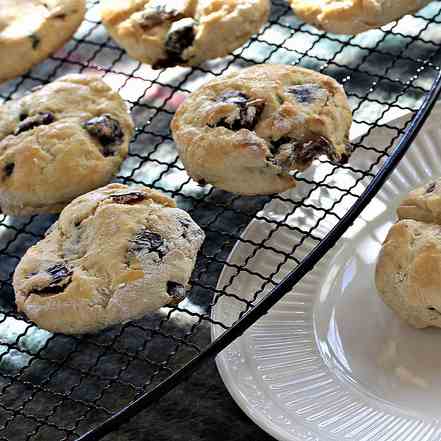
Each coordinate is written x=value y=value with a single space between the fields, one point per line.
x=66 y=387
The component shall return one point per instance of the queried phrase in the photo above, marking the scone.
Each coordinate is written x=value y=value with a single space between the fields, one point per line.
x=60 y=141
x=115 y=254
x=353 y=16
x=422 y=204
x=182 y=32
x=408 y=273
x=31 y=30
x=245 y=132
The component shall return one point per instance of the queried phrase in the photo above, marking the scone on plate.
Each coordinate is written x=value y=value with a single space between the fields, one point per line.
x=62 y=140
x=245 y=132
x=31 y=30
x=408 y=272
x=182 y=32
x=115 y=254
x=353 y=16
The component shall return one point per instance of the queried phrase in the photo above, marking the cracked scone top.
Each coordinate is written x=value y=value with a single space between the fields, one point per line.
x=31 y=30
x=408 y=271
x=353 y=16
x=115 y=254
x=167 y=33
x=62 y=140
x=246 y=131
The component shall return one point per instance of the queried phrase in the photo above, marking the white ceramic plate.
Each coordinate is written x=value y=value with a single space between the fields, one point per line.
x=331 y=361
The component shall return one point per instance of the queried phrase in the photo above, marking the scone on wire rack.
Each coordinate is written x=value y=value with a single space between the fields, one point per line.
x=247 y=131
x=353 y=16
x=61 y=140
x=31 y=30
x=115 y=254
x=167 y=33
x=408 y=271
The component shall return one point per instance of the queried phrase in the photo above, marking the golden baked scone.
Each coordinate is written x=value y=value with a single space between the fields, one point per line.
x=31 y=30
x=60 y=141
x=353 y=16
x=246 y=131
x=182 y=32
x=408 y=272
x=115 y=254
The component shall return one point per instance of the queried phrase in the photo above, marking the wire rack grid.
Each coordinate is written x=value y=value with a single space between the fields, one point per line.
x=59 y=387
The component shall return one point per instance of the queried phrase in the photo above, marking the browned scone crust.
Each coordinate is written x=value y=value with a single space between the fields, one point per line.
x=31 y=30
x=246 y=131
x=408 y=272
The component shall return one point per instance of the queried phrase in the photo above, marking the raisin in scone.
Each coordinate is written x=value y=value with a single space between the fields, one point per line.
x=246 y=131
x=353 y=16
x=408 y=272
x=62 y=140
x=31 y=30
x=115 y=254
x=167 y=33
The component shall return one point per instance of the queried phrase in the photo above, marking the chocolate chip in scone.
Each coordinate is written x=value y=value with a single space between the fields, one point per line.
x=276 y=144
x=60 y=277
x=306 y=152
x=431 y=187
x=128 y=198
x=176 y=291
x=305 y=93
x=30 y=122
x=288 y=152
x=249 y=111
x=35 y=40
x=107 y=131
x=185 y=224
x=180 y=36
x=147 y=241
x=8 y=169
x=158 y=12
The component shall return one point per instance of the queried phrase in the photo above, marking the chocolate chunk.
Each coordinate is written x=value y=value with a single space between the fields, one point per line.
x=431 y=187
x=180 y=37
x=128 y=198
x=177 y=291
x=158 y=12
x=148 y=241
x=305 y=93
x=185 y=224
x=35 y=40
x=288 y=153
x=107 y=131
x=202 y=182
x=276 y=144
x=305 y=153
x=22 y=116
x=249 y=111
x=8 y=169
x=60 y=277
x=30 y=122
